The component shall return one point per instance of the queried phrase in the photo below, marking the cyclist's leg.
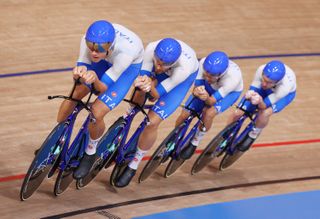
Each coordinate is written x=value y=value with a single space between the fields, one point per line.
x=264 y=115
x=146 y=140
x=182 y=117
x=105 y=103
x=111 y=98
x=162 y=109
x=209 y=113
x=263 y=118
x=192 y=103
x=237 y=113
x=67 y=106
x=225 y=103
x=81 y=91
x=219 y=107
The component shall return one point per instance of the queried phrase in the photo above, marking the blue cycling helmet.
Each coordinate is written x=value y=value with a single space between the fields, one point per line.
x=100 y=35
x=168 y=50
x=216 y=63
x=274 y=70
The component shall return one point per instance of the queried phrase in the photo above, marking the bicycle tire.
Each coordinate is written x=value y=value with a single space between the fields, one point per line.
x=157 y=157
x=211 y=152
x=37 y=172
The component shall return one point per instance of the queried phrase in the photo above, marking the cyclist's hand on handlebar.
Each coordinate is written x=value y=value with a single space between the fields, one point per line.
x=204 y=96
x=253 y=97
x=249 y=94
x=143 y=82
x=78 y=71
x=89 y=77
x=256 y=99
x=201 y=93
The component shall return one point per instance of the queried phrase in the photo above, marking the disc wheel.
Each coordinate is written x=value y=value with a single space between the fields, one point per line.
x=214 y=149
x=44 y=160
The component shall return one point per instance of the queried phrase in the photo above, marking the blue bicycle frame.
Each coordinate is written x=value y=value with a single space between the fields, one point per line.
x=181 y=140
x=127 y=150
x=233 y=138
x=74 y=151
x=65 y=138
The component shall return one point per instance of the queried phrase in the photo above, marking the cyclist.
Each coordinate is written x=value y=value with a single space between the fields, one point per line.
x=169 y=69
x=272 y=89
x=110 y=59
x=218 y=86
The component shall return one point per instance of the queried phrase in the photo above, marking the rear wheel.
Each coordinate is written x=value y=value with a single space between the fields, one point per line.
x=65 y=177
x=240 y=145
x=229 y=159
x=107 y=149
x=116 y=172
x=214 y=149
x=96 y=168
x=173 y=166
x=44 y=160
x=63 y=181
x=161 y=155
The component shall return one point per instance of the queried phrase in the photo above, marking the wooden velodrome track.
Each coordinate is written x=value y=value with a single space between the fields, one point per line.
x=40 y=35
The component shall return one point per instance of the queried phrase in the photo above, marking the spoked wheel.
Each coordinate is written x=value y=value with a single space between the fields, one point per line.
x=229 y=159
x=214 y=149
x=106 y=143
x=44 y=160
x=173 y=166
x=161 y=155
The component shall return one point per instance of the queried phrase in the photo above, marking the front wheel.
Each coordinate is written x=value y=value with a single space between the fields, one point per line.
x=44 y=160
x=214 y=149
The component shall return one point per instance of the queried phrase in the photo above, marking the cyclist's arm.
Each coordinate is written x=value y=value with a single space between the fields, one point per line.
x=100 y=86
x=120 y=64
x=178 y=76
x=262 y=105
x=211 y=101
x=280 y=92
x=154 y=93
x=222 y=92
